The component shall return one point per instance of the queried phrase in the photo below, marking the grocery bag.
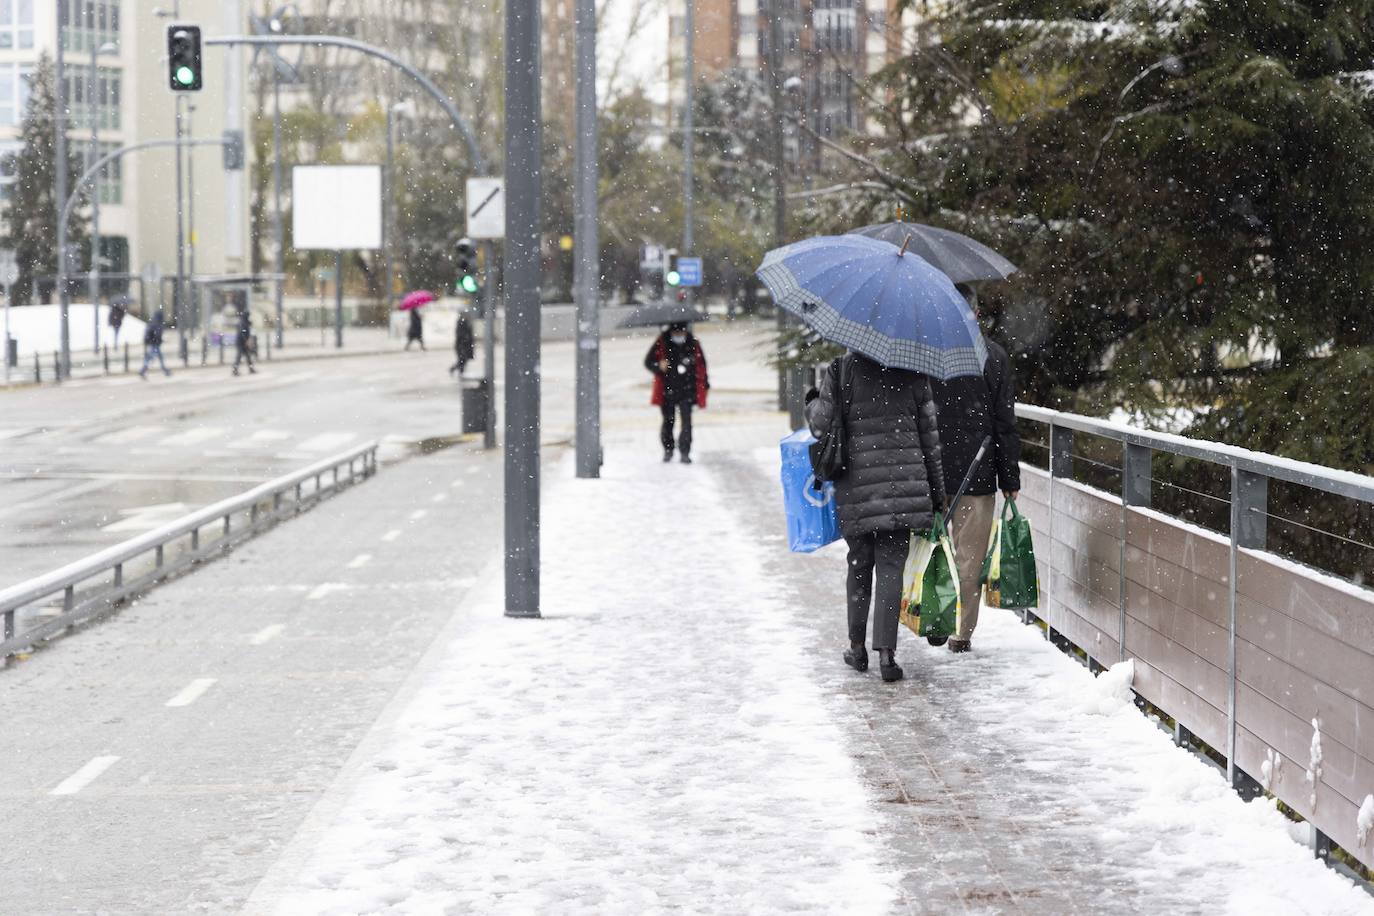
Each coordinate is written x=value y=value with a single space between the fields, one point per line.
x=930 y=584
x=811 y=519
x=1009 y=577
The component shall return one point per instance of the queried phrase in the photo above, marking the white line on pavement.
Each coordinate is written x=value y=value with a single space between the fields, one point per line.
x=392 y=535
x=359 y=561
x=324 y=588
x=195 y=436
x=267 y=633
x=326 y=442
x=132 y=434
x=417 y=515
x=440 y=497
x=458 y=483
x=191 y=692
x=84 y=776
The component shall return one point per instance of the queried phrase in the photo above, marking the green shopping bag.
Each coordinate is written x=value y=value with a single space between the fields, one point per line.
x=1009 y=577
x=930 y=584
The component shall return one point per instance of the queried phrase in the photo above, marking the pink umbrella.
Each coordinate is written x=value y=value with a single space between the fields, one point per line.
x=417 y=298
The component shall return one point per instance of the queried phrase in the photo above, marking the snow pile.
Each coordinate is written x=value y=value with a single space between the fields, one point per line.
x=653 y=744
x=1271 y=771
x=1314 y=761
x=1111 y=691
x=1364 y=821
x=38 y=328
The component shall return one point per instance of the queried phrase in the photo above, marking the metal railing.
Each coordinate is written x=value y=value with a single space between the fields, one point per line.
x=67 y=596
x=1249 y=475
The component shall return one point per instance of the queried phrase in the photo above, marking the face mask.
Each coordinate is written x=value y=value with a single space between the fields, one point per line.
x=679 y=338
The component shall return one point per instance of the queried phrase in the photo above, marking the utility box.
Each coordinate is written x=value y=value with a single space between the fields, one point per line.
x=476 y=403
x=11 y=351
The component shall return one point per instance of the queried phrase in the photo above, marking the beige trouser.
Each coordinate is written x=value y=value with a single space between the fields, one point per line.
x=972 y=528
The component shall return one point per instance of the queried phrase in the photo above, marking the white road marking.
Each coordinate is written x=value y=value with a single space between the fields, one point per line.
x=15 y=433
x=457 y=483
x=146 y=518
x=132 y=434
x=191 y=692
x=262 y=437
x=84 y=776
x=195 y=436
x=324 y=588
x=418 y=514
x=326 y=442
x=392 y=535
x=440 y=497
x=359 y=561
x=267 y=634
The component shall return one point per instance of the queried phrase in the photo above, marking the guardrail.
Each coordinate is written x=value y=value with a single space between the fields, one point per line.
x=146 y=556
x=1266 y=661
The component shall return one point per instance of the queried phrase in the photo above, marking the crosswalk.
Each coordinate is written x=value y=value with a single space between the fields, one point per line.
x=224 y=441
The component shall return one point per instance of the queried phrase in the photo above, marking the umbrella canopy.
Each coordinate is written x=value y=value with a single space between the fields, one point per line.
x=962 y=259
x=870 y=296
x=416 y=298
x=655 y=313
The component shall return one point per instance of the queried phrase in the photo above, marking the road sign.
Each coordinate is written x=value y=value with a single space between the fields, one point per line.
x=650 y=257
x=689 y=271
x=486 y=208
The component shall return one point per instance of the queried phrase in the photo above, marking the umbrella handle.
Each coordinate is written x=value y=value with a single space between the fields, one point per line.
x=968 y=480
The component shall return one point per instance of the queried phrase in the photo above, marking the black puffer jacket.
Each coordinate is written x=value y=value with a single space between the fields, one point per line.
x=893 y=478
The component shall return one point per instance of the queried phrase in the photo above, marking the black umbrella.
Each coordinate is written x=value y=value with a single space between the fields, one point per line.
x=656 y=313
x=962 y=259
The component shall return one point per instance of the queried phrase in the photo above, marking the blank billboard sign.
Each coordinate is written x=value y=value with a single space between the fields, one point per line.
x=336 y=207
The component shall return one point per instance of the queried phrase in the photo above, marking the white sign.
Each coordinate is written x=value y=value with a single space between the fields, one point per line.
x=650 y=257
x=336 y=207
x=486 y=208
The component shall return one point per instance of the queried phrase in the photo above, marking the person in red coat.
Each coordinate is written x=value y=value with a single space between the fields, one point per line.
x=680 y=383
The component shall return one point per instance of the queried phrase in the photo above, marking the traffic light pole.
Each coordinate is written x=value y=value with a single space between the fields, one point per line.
x=60 y=189
x=586 y=268
x=489 y=341
x=178 y=294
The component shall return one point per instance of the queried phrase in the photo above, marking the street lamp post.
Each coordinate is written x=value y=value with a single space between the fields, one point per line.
x=92 y=156
x=587 y=269
x=406 y=107
x=60 y=189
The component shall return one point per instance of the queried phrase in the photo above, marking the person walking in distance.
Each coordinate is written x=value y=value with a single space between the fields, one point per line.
x=463 y=344
x=152 y=344
x=681 y=381
x=243 y=340
x=892 y=484
x=971 y=408
x=115 y=319
x=415 y=333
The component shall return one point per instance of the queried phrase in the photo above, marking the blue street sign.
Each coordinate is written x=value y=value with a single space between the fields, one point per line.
x=689 y=269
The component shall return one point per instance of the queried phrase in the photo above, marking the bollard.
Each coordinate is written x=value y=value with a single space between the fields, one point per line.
x=204 y=350
x=56 y=367
x=37 y=370
x=106 y=350
x=268 y=339
x=185 y=353
x=126 y=356
x=221 y=351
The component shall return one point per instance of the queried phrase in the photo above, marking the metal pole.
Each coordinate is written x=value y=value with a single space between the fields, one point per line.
x=688 y=137
x=60 y=189
x=489 y=340
x=7 y=334
x=586 y=261
x=338 y=299
x=276 y=205
x=774 y=62
x=191 y=207
x=177 y=289
x=521 y=281
x=388 y=190
x=94 y=284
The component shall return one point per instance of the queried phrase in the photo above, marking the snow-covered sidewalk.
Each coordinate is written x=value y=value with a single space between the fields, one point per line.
x=678 y=734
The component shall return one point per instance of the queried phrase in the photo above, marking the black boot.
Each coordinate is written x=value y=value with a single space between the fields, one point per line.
x=856 y=657
x=960 y=645
x=667 y=455
x=686 y=458
x=887 y=666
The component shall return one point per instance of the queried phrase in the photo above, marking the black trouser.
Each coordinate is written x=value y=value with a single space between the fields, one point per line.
x=883 y=552
x=244 y=352
x=684 y=441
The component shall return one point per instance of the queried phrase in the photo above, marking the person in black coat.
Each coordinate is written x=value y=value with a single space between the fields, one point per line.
x=243 y=341
x=681 y=382
x=415 y=333
x=892 y=485
x=463 y=344
x=971 y=408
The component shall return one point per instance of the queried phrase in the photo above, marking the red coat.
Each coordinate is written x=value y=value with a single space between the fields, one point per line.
x=657 y=352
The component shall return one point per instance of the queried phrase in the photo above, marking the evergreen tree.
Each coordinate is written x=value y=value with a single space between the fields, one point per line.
x=31 y=216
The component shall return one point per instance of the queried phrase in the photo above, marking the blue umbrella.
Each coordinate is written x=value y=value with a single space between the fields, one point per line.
x=876 y=299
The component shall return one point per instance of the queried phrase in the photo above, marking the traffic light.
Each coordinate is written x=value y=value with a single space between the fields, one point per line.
x=671 y=276
x=183 y=58
x=467 y=267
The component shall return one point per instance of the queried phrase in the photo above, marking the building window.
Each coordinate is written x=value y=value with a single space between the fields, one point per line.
x=16 y=24
x=99 y=99
x=748 y=24
x=111 y=176
x=14 y=92
x=88 y=24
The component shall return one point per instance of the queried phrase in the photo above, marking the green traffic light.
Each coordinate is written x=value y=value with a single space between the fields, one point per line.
x=672 y=278
x=468 y=283
x=186 y=76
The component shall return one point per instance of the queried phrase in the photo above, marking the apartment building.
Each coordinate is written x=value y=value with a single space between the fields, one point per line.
x=829 y=49
x=117 y=95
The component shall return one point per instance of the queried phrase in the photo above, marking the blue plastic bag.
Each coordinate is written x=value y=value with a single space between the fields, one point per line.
x=811 y=519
